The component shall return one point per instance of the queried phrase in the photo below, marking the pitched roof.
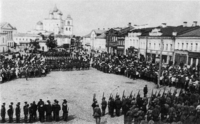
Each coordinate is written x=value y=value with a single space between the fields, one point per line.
x=193 y=33
x=125 y=30
x=87 y=36
x=26 y=35
x=6 y=24
x=102 y=36
x=99 y=32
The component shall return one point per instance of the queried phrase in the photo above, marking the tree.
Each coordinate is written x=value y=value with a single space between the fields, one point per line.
x=35 y=44
x=51 y=42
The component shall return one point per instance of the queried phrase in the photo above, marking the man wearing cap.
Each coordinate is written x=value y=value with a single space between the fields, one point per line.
x=97 y=114
x=3 y=112
x=48 y=111
x=57 y=109
x=54 y=109
x=65 y=110
x=26 y=106
x=41 y=110
x=103 y=106
x=17 y=112
x=34 y=111
x=10 y=114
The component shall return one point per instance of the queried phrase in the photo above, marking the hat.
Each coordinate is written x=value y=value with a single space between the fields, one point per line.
x=48 y=101
x=25 y=102
x=65 y=100
x=11 y=103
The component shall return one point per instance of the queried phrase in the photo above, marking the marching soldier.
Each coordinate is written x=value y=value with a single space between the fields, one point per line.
x=97 y=114
x=65 y=110
x=34 y=106
x=3 y=112
x=118 y=105
x=41 y=110
x=103 y=106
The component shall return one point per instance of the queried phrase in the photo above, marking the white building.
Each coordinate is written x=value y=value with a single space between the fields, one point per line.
x=7 y=31
x=96 y=40
x=61 y=28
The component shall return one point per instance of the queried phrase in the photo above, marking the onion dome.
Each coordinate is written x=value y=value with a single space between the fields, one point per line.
x=55 y=9
x=59 y=12
x=39 y=23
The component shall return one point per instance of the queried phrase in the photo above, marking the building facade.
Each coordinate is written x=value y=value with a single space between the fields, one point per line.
x=7 y=31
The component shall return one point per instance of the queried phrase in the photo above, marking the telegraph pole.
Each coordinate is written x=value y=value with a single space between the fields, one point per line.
x=160 y=63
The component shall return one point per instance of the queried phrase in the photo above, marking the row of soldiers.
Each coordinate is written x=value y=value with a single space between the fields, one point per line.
x=180 y=76
x=30 y=111
x=168 y=107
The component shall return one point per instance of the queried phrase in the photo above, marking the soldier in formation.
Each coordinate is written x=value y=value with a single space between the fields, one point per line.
x=175 y=107
x=30 y=112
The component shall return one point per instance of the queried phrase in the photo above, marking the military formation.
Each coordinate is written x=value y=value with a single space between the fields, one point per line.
x=161 y=107
x=179 y=76
x=34 y=112
x=64 y=61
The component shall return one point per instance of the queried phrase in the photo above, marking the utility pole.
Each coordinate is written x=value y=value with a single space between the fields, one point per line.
x=160 y=63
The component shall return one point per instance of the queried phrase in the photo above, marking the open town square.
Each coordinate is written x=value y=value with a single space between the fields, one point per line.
x=141 y=67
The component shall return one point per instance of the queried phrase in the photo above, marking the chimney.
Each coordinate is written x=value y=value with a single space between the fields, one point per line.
x=129 y=24
x=184 y=24
x=164 y=25
x=194 y=23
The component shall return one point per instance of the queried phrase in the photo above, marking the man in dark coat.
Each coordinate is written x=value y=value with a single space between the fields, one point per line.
x=26 y=106
x=97 y=114
x=118 y=105
x=145 y=90
x=65 y=110
x=103 y=106
x=57 y=109
x=10 y=114
x=48 y=111
x=3 y=112
x=41 y=110
x=34 y=111
x=17 y=113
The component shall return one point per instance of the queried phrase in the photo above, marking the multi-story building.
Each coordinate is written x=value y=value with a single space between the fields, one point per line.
x=187 y=48
x=7 y=31
x=96 y=40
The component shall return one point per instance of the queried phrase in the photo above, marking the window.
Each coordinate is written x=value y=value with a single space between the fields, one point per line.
x=149 y=45
x=69 y=29
x=3 y=40
x=66 y=29
x=171 y=47
x=178 y=45
x=196 y=48
x=159 y=46
x=154 y=45
x=68 y=23
x=182 y=46
x=186 y=46
x=191 y=46
x=166 y=46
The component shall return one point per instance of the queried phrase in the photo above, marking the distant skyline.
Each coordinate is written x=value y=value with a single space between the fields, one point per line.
x=94 y=14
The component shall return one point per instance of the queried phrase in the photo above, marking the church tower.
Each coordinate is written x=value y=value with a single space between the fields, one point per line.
x=68 y=27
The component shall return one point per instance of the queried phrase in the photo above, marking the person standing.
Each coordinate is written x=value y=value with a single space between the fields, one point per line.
x=97 y=114
x=10 y=114
x=26 y=112
x=65 y=110
x=103 y=106
x=57 y=109
x=145 y=90
x=48 y=111
x=3 y=112
x=17 y=112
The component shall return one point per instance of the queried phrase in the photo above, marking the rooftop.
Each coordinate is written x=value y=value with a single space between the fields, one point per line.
x=26 y=35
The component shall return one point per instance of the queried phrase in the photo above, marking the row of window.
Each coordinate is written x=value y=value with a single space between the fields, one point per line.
x=187 y=46
x=24 y=39
x=166 y=46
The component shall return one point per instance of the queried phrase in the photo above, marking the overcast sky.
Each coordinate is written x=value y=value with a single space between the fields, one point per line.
x=93 y=14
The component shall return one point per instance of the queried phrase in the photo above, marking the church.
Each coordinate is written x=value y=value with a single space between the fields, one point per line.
x=56 y=24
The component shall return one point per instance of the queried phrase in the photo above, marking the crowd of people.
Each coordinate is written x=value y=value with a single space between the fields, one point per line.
x=31 y=65
x=180 y=76
x=46 y=112
x=22 y=66
x=166 y=107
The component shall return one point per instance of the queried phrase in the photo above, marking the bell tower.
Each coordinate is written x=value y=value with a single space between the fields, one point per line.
x=68 y=27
